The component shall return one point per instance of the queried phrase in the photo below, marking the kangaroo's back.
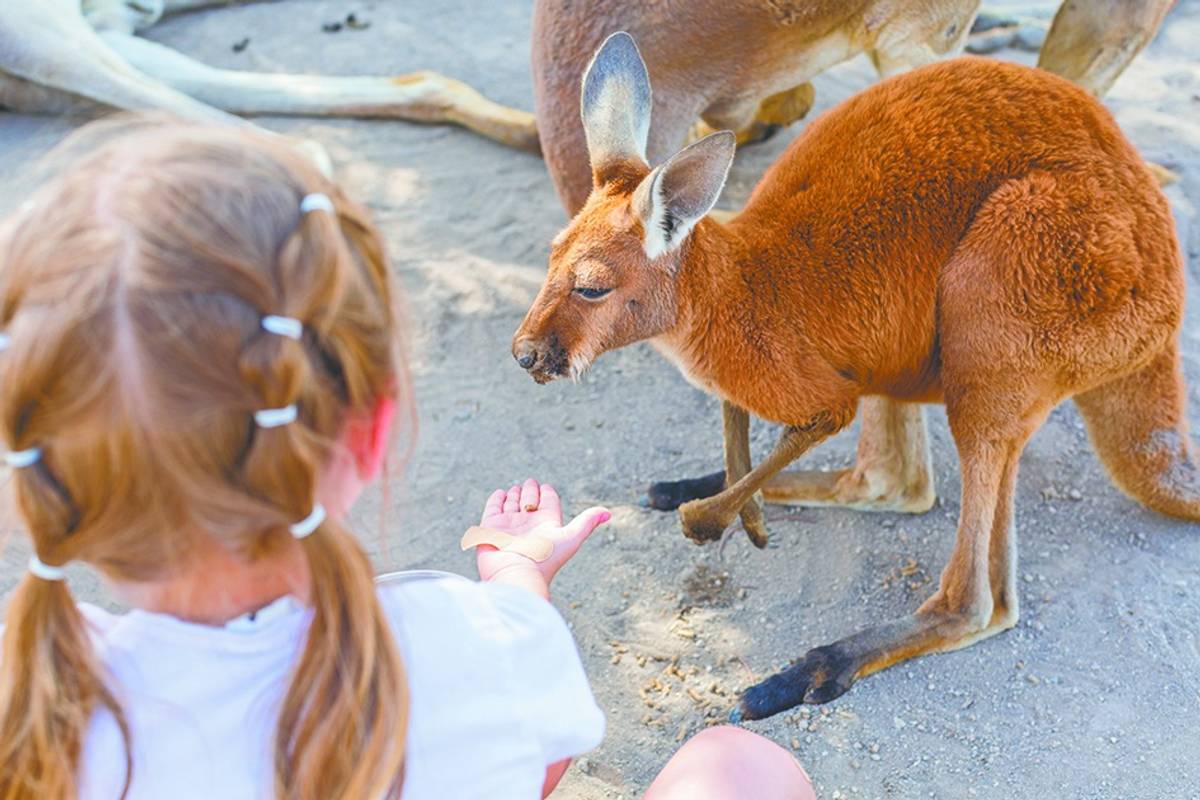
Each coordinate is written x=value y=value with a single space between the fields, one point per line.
x=933 y=143
x=859 y=217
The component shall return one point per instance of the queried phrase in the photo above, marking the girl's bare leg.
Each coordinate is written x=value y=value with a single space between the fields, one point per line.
x=728 y=763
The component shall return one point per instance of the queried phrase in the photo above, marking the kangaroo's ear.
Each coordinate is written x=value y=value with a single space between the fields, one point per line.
x=615 y=104
x=672 y=198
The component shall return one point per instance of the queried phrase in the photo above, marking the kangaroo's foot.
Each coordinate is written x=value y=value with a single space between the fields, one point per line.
x=893 y=471
x=827 y=672
x=757 y=124
x=670 y=495
x=863 y=488
x=783 y=108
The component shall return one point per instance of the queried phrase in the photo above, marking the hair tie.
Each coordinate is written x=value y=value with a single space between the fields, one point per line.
x=274 y=417
x=283 y=326
x=5 y=341
x=22 y=458
x=316 y=202
x=310 y=523
x=47 y=572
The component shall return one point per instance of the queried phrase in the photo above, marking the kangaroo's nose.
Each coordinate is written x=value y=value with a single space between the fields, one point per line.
x=525 y=352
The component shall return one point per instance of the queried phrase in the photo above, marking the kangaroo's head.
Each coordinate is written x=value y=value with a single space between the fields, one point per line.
x=613 y=270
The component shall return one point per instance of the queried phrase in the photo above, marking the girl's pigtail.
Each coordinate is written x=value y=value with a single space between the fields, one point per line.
x=50 y=686
x=342 y=728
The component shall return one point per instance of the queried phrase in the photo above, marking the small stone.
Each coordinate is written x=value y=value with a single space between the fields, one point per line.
x=795 y=743
x=1075 y=494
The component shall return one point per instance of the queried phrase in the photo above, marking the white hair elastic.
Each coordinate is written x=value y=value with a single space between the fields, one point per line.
x=310 y=523
x=18 y=459
x=283 y=326
x=47 y=572
x=274 y=417
x=316 y=202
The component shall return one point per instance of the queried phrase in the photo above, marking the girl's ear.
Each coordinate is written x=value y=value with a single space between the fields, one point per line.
x=370 y=436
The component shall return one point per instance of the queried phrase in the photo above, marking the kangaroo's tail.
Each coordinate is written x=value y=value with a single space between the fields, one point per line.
x=1138 y=426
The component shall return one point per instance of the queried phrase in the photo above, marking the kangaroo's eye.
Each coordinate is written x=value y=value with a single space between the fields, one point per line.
x=589 y=293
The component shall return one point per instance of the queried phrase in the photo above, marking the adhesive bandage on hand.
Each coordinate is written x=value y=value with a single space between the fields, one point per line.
x=534 y=547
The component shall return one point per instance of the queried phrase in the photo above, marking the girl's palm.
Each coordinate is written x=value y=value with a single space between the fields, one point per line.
x=534 y=509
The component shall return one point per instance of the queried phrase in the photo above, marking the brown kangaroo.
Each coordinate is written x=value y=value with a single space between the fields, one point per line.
x=707 y=69
x=973 y=232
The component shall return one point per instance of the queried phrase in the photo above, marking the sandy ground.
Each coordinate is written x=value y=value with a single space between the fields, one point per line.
x=1094 y=695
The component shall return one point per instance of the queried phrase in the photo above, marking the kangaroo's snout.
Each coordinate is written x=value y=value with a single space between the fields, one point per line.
x=526 y=353
x=543 y=359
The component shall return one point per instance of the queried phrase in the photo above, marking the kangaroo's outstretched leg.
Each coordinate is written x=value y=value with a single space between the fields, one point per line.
x=976 y=597
x=418 y=97
x=1092 y=43
x=893 y=470
x=737 y=465
x=51 y=46
x=706 y=519
x=1139 y=429
x=132 y=16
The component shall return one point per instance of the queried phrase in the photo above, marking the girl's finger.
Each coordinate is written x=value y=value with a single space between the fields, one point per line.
x=530 y=494
x=512 y=500
x=494 y=505
x=582 y=526
x=550 y=503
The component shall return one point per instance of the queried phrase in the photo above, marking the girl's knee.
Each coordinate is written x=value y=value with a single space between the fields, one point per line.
x=726 y=762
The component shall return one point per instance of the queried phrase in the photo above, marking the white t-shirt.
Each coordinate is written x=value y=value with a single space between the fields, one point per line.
x=497 y=693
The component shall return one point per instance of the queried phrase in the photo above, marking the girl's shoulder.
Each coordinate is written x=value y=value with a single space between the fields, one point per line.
x=492 y=669
x=443 y=615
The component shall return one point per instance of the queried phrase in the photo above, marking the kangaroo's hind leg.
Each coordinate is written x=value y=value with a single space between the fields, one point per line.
x=892 y=472
x=976 y=597
x=1139 y=428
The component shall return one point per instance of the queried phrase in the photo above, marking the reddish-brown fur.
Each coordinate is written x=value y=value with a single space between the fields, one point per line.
x=975 y=233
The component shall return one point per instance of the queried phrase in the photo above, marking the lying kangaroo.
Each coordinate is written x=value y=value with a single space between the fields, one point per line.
x=60 y=55
x=974 y=233
x=744 y=65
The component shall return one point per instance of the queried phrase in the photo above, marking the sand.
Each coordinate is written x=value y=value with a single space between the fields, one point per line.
x=1095 y=694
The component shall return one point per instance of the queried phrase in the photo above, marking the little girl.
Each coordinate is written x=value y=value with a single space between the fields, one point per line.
x=198 y=372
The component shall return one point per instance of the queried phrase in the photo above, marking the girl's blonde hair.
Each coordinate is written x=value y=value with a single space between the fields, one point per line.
x=133 y=286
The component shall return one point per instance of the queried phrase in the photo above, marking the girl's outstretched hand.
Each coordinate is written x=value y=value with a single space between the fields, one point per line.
x=533 y=509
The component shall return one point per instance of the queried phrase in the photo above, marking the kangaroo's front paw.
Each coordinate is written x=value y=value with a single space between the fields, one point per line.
x=754 y=523
x=701 y=523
